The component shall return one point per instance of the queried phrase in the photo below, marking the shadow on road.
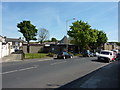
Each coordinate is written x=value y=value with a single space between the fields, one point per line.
x=95 y=60
x=105 y=74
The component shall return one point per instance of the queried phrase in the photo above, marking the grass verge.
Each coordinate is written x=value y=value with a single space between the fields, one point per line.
x=35 y=55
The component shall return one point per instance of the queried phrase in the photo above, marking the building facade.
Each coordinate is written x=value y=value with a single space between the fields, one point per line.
x=9 y=45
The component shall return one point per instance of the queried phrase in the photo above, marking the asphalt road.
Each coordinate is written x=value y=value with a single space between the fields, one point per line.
x=47 y=74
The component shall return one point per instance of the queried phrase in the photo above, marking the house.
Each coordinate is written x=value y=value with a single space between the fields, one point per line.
x=9 y=45
x=54 y=47
x=2 y=47
x=110 y=46
x=63 y=45
x=14 y=43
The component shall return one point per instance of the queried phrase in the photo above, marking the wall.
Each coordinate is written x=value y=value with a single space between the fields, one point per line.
x=24 y=48
x=32 y=48
x=0 y=49
x=35 y=49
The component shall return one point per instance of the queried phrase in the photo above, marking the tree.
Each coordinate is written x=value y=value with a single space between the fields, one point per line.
x=53 y=39
x=85 y=37
x=79 y=31
x=93 y=41
x=118 y=43
x=28 y=30
x=102 y=38
x=43 y=35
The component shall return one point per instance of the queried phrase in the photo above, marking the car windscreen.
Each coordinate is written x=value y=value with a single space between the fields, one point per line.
x=106 y=53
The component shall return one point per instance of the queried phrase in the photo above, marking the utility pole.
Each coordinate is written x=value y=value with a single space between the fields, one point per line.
x=66 y=31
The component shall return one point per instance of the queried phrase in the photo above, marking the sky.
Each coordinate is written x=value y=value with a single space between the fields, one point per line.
x=53 y=15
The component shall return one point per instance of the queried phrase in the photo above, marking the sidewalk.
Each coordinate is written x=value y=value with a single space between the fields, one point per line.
x=37 y=59
x=6 y=59
x=105 y=77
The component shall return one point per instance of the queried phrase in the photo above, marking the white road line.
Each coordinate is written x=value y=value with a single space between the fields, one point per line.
x=18 y=70
x=58 y=63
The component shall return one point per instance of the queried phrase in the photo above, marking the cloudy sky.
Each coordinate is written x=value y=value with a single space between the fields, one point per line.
x=53 y=16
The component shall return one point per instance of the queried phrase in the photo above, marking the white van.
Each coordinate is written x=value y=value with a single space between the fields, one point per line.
x=106 y=55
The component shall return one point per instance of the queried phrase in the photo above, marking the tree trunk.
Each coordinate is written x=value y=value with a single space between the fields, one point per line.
x=28 y=50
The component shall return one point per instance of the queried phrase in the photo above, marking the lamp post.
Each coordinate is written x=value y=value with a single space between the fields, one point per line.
x=66 y=31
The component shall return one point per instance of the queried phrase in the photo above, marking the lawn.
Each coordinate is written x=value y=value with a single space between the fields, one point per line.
x=35 y=55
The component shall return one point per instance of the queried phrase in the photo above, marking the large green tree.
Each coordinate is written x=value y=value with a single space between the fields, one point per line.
x=93 y=41
x=28 y=30
x=85 y=37
x=102 y=38
x=79 y=31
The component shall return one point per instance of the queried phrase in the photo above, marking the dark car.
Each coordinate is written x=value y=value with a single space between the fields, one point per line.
x=118 y=56
x=87 y=53
x=64 y=55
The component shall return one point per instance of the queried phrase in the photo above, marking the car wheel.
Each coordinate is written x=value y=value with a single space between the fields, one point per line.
x=64 y=57
x=71 y=56
x=108 y=61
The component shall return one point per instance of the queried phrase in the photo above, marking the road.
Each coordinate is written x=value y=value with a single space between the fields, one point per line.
x=47 y=74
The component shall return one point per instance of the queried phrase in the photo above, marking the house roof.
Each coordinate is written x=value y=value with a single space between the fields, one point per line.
x=2 y=39
x=13 y=40
x=64 y=40
x=34 y=44
x=49 y=42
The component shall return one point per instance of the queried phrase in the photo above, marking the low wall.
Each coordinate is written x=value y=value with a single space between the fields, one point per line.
x=12 y=57
x=18 y=56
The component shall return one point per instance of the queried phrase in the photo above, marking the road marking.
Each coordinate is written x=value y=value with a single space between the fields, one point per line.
x=19 y=70
x=58 y=63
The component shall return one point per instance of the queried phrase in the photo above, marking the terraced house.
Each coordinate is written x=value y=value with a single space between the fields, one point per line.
x=9 y=45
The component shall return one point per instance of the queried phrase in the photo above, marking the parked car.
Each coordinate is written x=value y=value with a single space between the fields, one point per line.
x=64 y=55
x=96 y=54
x=115 y=53
x=106 y=55
x=115 y=50
x=87 y=53
x=118 y=56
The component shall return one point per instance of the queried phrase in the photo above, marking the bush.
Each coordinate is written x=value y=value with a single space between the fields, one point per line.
x=50 y=54
x=18 y=52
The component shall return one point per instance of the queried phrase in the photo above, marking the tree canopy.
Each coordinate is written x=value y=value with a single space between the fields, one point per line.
x=28 y=30
x=84 y=36
x=53 y=39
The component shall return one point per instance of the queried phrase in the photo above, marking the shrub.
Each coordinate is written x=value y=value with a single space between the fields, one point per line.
x=50 y=54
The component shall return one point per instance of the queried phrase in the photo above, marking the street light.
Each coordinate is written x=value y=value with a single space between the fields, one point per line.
x=67 y=30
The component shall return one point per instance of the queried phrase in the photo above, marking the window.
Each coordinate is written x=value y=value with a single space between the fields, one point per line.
x=106 y=53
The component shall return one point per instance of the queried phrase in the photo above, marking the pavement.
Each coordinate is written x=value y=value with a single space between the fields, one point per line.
x=9 y=59
x=104 y=77
x=37 y=59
